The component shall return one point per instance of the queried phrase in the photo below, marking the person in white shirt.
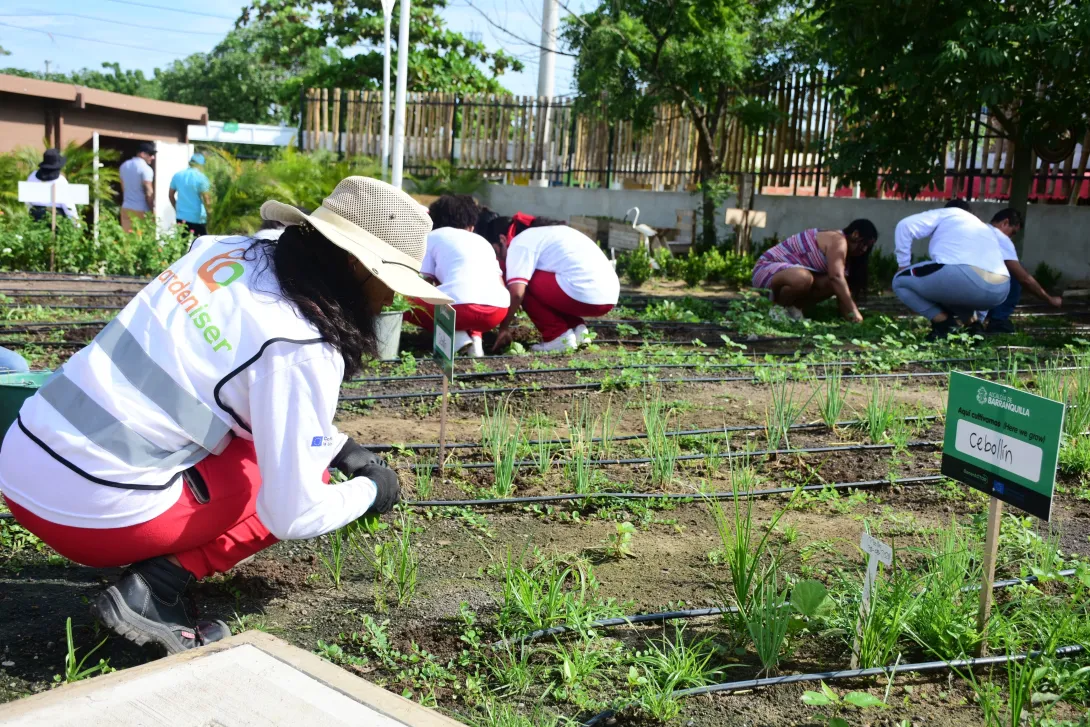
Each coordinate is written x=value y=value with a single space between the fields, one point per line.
x=1006 y=224
x=137 y=192
x=197 y=428
x=965 y=273
x=463 y=266
x=558 y=274
x=49 y=172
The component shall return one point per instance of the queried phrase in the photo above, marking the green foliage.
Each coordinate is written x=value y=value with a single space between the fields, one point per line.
x=446 y=178
x=25 y=245
x=900 y=109
x=539 y=593
x=439 y=59
x=74 y=670
x=619 y=545
x=635 y=266
x=17 y=165
x=827 y=698
x=1048 y=276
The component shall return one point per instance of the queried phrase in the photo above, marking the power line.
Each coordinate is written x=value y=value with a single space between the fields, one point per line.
x=173 y=10
x=115 y=22
x=496 y=25
x=95 y=40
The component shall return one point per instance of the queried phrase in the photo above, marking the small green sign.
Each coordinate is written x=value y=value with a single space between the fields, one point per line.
x=230 y=126
x=443 y=345
x=1003 y=442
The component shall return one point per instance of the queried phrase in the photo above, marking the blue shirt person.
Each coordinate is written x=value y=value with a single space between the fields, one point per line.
x=190 y=198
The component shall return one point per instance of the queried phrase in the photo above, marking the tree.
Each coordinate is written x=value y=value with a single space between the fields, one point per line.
x=910 y=74
x=132 y=83
x=704 y=56
x=439 y=59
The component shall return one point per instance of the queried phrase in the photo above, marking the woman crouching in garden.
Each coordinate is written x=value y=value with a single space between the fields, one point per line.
x=197 y=428
x=813 y=265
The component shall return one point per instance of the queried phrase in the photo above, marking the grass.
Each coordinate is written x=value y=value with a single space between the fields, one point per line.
x=548 y=592
x=662 y=450
x=832 y=396
x=783 y=412
x=394 y=561
x=423 y=477
x=506 y=454
x=678 y=662
x=943 y=620
x=74 y=669
x=879 y=413
x=334 y=562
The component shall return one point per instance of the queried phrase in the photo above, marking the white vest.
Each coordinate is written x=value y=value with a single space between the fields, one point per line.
x=143 y=401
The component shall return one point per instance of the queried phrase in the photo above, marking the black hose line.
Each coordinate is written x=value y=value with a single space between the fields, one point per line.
x=676 y=496
x=705 y=612
x=927 y=666
x=598 y=385
x=641 y=435
x=733 y=454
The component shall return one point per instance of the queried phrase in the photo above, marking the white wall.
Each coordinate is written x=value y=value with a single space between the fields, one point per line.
x=170 y=158
x=1056 y=234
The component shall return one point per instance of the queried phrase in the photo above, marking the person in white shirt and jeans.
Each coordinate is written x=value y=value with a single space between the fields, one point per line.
x=1006 y=224
x=965 y=273
x=197 y=428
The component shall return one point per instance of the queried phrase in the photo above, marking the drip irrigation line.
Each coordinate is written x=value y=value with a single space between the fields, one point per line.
x=69 y=277
x=598 y=385
x=27 y=327
x=674 y=496
x=643 y=435
x=621 y=367
x=75 y=307
x=927 y=666
x=47 y=344
x=705 y=612
x=529 y=463
x=19 y=293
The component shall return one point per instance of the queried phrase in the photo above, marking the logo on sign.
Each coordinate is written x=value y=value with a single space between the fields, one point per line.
x=981 y=395
x=1001 y=400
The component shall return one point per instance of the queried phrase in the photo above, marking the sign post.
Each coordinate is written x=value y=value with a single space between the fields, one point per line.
x=877 y=552
x=443 y=348
x=43 y=193
x=1005 y=443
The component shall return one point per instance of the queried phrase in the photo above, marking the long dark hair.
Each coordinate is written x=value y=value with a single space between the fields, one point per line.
x=316 y=277
x=857 y=268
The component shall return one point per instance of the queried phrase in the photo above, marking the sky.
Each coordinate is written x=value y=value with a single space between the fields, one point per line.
x=73 y=34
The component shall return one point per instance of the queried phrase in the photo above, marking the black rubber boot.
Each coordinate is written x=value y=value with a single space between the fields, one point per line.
x=1000 y=326
x=941 y=330
x=146 y=606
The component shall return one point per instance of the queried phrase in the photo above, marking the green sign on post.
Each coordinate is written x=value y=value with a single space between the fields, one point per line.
x=1003 y=442
x=443 y=344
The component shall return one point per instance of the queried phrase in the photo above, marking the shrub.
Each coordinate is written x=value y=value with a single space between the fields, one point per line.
x=694 y=269
x=635 y=266
x=25 y=245
x=669 y=266
x=1048 y=276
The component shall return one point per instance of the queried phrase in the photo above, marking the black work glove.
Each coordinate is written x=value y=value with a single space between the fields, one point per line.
x=352 y=458
x=388 y=492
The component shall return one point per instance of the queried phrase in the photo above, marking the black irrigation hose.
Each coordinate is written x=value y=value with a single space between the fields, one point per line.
x=927 y=666
x=643 y=435
x=68 y=277
x=28 y=327
x=705 y=612
x=77 y=307
x=20 y=293
x=621 y=367
x=598 y=385
x=46 y=344
x=526 y=464
x=675 y=496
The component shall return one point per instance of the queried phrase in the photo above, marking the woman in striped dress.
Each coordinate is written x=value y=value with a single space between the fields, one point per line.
x=813 y=265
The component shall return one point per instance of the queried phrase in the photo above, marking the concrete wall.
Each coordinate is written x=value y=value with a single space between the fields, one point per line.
x=1056 y=234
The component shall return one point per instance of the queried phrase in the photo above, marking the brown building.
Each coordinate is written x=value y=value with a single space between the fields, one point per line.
x=33 y=110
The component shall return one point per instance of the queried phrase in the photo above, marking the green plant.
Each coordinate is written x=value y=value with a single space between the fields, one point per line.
x=679 y=663
x=447 y=178
x=496 y=425
x=423 y=477
x=767 y=618
x=619 y=545
x=1048 y=276
x=944 y=618
x=662 y=449
x=502 y=714
x=783 y=411
x=394 y=561
x=506 y=463
x=1075 y=455
x=541 y=451
x=830 y=699
x=879 y=412
x=548 y=592
x=74 y=670
x=635 y=266
x=334 y=563
x=893 y=601
x=832 y=395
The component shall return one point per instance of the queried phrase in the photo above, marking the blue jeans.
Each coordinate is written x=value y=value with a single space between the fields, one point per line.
x=930 y=288
x=1002 y=312
x=12 y=362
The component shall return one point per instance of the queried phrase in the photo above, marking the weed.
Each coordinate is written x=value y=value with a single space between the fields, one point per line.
x=678 y=662
x=395 y=563
x=892 y=604
x=944 y=618
x=619 y=545
x=652 y=696
x=829 y=699
x=74 y=670
x=502 y=714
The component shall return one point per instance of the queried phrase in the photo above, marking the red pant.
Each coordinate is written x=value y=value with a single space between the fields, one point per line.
x=206 y=538
x=470 y=317
x=553 y=311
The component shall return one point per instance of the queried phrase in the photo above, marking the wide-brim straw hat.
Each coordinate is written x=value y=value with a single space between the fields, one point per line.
x=376 y=223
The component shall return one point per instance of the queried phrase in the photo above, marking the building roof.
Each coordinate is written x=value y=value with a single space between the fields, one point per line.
x=83 y=96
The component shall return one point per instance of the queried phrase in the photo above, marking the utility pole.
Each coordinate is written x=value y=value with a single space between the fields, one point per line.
x=47 y=70
x=546 y=78
x=387 y=12
x=399 y=101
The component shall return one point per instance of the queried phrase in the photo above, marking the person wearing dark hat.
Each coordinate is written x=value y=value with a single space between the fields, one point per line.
x=190 y=198
x=49 y=172
x=137 y=192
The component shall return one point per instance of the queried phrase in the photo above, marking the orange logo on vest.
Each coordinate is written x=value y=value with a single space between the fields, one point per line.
x=207 y=271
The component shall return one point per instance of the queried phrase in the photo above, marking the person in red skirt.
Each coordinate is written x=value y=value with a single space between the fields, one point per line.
x=464 y=267
x=557 y=274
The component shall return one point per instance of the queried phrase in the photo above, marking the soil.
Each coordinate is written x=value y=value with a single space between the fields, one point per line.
x=287 y=589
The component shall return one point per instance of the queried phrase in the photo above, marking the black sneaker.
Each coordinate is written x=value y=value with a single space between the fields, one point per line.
x=941 y=330
x=1001 y=325
x=146 y=606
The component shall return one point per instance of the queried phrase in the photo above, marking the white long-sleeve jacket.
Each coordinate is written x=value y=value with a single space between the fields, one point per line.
x=957 y=238
x=208 y=351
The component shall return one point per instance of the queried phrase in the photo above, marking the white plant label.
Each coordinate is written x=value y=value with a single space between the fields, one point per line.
x=877 y=552
x=875 y=547
x=1006 y=453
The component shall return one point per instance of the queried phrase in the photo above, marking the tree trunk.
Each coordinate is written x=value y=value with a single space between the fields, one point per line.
x=708 y=238
x=1021 y=179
